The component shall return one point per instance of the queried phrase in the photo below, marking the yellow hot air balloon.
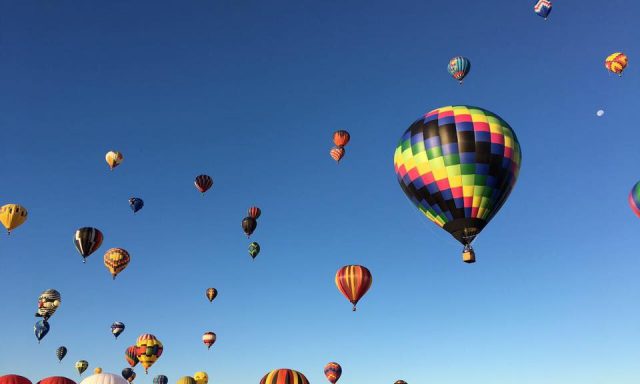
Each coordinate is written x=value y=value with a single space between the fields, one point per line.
x=114 y=158
x=201 y=377
x=12 y=216
x=186 y=380
x=148 y=350
x=97 y=370
x=616 y=62
x=116 y=260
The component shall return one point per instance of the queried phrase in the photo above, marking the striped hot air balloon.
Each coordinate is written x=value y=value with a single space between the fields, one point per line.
x=48 y=303
x=254 y=212
x=341 y=138
x=81 y=366
x=284 y=376
x=87 y=241
x=131 y=355
x=459 y=67
x=186 y=380
x=160 y=379
x=148 y=350
x=203 y=183
x=333 y=371
x=209 y=338
x=337 y=153
x=116 y=260
x=211 y=293
x=353 y=281
x=113 y=158
x=616 y=62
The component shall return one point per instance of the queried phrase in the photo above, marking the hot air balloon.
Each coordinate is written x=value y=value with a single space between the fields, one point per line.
x=56 y=380
x=212 y=293
x=160 y=379
x=48 y=303
x=616 y=63
x=333 y=371
x=634 y=199
x=400 y=382
x=104 y=378
x=341 y=138
x=148 y=350
x=116 y=260
x=209 y=338
x=458 y=165
x=542 y=8
x=249 y=225
x=203 y=183
x=186 y=380
x=353 y=281
x=113 y=158
x=12 y=216
x=130 y=354
x=61 y=352
x=254 y=249
x=117 y=328
x=459 y=67
x=81 y=366
x=201 y=377
x=254 y=212
x=14 y=379
x=97 y=370
x=40 y=329
x=128 y=374
x=87 y=241
x=337 y=153
x=136 y=204
x=283 y=375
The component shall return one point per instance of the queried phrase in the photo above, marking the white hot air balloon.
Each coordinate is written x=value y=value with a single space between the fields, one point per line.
x=104 y=378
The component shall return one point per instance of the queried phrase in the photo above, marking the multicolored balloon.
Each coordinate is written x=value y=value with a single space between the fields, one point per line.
x=117 y=328
x=14 y=379
x=337 y=153
x=116 y=260
x=56 y=380
x=212 y=293
x=148 y=350
x=61 y=352
x=543 y=8
x=459 y=67
x=201 y=377
x=130 y=354
x=458 y=165
x=203 y=183
x=136 y=204
x=128 y=374
x=634 y=199
x=12 y=216
x=160 y=379
x=48 y=303
x=254 y=212
x=353 y=281
x=616 y=62
x=284 y=375
x=254 y=250
x=81 y=366
x=113 y=158
x=249 y=225
x=40 y=329
x=87 y=241
x=333 y=371
x=341 y=138
x=209 y=338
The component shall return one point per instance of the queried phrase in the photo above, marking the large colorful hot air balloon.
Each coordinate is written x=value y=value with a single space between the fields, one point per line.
x=341 y=138
x=201 y=377
x=40 y=329
x=616 y=63
x=87 y=241
x=458 y=165
x=337 y=153
x=209 y=338
x=116 y=260
x=12 y=216
x=459 y=67
x=634 y=199
x=254 y=212
x=543 y=8
x=117 y=328
x=128 y=374
x=283 y=375
x=212 y=293
x=249 y=225
x=61 y=352
x=48 y=303
x=104 y=378
x=113 y=158
x=56 y=380
x=136 y=204
x=148 y=350
x=130 y=354
x=353 y=281
x=186 y=380
x=333 y=371
x=14 y=379
x=81 y=366
x=203 y=183
x=160 y=379
x=254 y=250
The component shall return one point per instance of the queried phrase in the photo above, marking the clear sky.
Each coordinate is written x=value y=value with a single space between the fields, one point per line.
x=250 y=91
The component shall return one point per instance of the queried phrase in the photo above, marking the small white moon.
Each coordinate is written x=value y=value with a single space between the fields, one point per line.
x=600 y=113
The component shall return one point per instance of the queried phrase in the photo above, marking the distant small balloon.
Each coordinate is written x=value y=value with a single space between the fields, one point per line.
x=600 y=113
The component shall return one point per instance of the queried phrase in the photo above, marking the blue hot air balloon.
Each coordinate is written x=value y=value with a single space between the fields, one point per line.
x=41 y=329
x=459 y=67
x=136 y=204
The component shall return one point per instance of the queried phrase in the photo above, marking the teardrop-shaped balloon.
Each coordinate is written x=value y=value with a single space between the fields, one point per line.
x=40 y=329
x=113 y=158
x=211 y=293
x=254 y=249
x=87 y=240
x=128 y=374
x=81 y=366
x=459 y=67
x=249 y=225
x=148 y=350
x=61 y=352
x=337 y=153
x=116 y=260
x=543 y=8
x=117 y=328
x=136 y=204
x=209 y=338
x=254 y=212
x=203 y=183
x=12 y=216
x=458 y=164
x=333 y=371
x=48 y=303
x=284 y=375
x=341 y=138
x=353 y=281
x=131 y=355
x=616 y=63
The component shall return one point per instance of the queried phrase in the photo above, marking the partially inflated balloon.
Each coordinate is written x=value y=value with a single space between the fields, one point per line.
x=12 y=216
x=254 y=212
x=113 y=158
x=48 y=303
x=212 y=293
x=56 y=380
x=249 y=225
x=136 y=204
x=616 y=62
x=341 y=138
x=81 y=366
x=130 y=354
x=40 y=329
x=117 y=328
x=283 y=375
x=333 y=371
x=203 y=183
x=116 y=260
x=543 y=8
x=353 y=281
x=128 y=374
x=186 y=380
x=61 y=352
x=160 y=379
x=209 y=338
x=201 y=377
x=458 y=165
x=254 y=249
x=337 y=153
x=459 y=67
x=634 y=199
x=148 y=350
x=87 y=241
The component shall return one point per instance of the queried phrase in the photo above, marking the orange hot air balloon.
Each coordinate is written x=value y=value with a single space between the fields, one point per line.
x=203 y=183
x=209 y=338
x=341 y=138
x=333 y=371
x=337 y=153
x=148 y=350
x=353 y=281
x=116 y=260
x=616 y=62
x=130 y=354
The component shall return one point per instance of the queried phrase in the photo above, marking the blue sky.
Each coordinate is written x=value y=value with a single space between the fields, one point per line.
x=250 y=92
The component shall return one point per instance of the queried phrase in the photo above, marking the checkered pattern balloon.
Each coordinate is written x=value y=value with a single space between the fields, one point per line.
x=458 y=164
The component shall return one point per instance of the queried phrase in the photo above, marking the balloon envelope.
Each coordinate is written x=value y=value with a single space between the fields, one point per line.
x=12 y=216
x=333 y=371
x=48 y=303
x=160 y=379
x=40 y=329
x=201 y=377
x=353 y=281
x=104 y=378
x=283 y=375
x=459 y=67
x=14 y=379
x=56 y=380
x=543 y=8
x=61 y=352
x=136 y=204
x=87 y=240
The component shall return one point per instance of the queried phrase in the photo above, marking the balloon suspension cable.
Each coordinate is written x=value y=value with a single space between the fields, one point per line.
x=113 y=276
x=354 y=308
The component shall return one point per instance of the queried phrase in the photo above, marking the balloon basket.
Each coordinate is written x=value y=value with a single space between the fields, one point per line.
x=469 y=256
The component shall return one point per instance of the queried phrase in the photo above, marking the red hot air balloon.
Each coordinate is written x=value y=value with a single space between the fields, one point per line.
x=209 y=338
x=337 y=153
x=203 y=183
x=254 y=212
x=333 y=371
x=353 y=281
x=56 y=380
x=341 y=138
x=14 y=379
x=131 y=356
